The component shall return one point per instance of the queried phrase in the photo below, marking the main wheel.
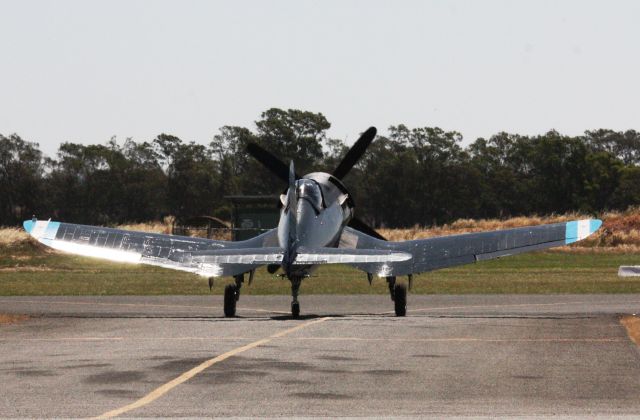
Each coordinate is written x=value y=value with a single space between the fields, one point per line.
x=295 y=309
x=400 y=299
x=230 y=299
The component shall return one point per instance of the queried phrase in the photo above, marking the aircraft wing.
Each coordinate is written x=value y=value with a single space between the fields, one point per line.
x=169 y=251
x=448 y=251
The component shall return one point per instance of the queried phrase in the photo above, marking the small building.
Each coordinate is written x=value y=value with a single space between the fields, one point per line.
x=252 y=215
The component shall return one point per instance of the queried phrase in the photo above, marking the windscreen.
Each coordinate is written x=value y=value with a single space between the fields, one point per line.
x=309 y=190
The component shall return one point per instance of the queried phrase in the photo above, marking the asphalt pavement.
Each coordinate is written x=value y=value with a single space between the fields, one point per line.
x=176 y=356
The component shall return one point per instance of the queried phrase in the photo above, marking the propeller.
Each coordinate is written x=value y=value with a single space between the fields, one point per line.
x=355 y=153
x=281 y=170
x=275 y=165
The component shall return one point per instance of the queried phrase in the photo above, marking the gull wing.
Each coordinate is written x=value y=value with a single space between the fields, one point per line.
x=448 y=251
x=183 y=253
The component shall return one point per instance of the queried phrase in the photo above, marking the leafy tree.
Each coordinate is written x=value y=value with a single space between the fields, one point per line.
x=623 y=145
x=409 y=176
x=191 y=177
x=627 y=192
x=21 y=179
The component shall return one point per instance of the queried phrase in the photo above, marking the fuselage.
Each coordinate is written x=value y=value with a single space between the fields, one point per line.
x=314 y=211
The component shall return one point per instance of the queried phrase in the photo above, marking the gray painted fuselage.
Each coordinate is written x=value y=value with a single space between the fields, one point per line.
x=315 y=210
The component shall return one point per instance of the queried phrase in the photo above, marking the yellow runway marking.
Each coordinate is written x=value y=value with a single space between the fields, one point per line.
x=417 y=340
x=160 y=391
x=632 y=325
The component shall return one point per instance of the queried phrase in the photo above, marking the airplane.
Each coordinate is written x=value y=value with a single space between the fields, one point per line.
x=317 y=226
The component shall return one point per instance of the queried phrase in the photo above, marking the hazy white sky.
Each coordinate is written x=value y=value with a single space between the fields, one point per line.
x=83 y=70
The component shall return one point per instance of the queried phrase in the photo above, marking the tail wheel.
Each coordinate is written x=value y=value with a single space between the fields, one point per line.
x=400 y=299
x=230 y=299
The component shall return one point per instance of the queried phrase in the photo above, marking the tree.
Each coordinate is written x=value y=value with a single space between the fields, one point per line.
x=21 y=173
x=623 y=145
x=191 y=177
x=627 y=192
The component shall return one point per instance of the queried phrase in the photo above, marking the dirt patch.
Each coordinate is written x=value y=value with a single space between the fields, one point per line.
x=632 y=324
x=10 y=319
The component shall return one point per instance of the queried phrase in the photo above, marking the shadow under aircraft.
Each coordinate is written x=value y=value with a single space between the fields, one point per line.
x=317 y=226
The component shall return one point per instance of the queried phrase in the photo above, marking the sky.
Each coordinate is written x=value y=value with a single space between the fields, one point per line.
x=84 y=71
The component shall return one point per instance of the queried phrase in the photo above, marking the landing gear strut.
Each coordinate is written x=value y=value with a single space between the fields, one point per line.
x=295 y=305
x=398 y=294
x=232 y=295
x=391 y=282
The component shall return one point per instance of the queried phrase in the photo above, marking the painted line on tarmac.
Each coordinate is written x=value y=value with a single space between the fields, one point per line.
x=401 y=340
x=631 y=324
x=136 y=305
x=163 y=389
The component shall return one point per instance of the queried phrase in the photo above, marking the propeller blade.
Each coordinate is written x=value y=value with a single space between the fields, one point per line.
x=358 y=224
x=275 y=165
x=355 y=153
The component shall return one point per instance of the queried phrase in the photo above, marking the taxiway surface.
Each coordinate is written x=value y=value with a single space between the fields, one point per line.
x=349 y=356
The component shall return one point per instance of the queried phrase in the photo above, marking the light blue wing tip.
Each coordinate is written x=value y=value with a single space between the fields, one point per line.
x=28 y=225
x=580 y=229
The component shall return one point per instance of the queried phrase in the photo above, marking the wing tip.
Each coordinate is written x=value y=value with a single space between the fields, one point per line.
x=578 y=230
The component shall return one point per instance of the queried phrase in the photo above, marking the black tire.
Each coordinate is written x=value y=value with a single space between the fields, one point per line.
x=400 y=299
x=295 y=309
x=230 y=299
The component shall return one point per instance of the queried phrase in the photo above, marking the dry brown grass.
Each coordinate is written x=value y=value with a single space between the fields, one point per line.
x=152 y=227
x=632 y=325
x=473 y=225
x=12 y=236
x=10 y=319
x=620 y=232
x=163 y=226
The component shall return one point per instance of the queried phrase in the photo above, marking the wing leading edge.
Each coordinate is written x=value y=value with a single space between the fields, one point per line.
x=176 y=252
x=448 y=251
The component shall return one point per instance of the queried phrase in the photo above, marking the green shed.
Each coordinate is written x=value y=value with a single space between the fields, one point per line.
x=253 y=215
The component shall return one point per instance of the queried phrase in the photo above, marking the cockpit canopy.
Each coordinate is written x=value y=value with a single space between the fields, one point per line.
x=309 y=190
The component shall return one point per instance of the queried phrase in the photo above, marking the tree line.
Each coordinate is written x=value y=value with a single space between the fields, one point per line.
x=408 y=176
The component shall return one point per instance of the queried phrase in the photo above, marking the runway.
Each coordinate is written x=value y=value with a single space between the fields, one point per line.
x=176 y=356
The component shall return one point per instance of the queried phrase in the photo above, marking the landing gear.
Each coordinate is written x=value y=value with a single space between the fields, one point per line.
x=230 y=299
x=391 y=282
x=295 y=309
x=400 y=299
x=398 y=294
x=232 y=295
x=295 y=305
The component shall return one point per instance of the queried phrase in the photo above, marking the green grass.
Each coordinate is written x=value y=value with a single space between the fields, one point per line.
x=29 y=270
